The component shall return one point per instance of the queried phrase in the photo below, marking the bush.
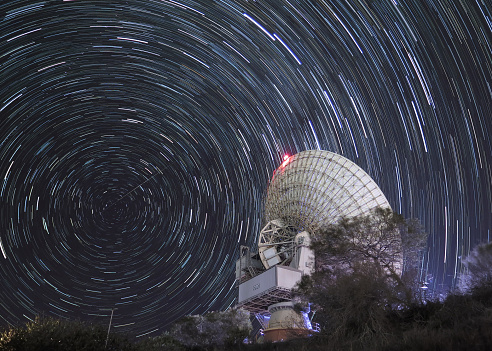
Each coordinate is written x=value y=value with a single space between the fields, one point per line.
x=478 y=268
x=164 y=342
x=55 y=334
x=215 y=329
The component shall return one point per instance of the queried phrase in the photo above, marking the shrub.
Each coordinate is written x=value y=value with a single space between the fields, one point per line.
x=55 y=334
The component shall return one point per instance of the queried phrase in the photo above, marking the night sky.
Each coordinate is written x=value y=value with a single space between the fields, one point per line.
x=137 y=139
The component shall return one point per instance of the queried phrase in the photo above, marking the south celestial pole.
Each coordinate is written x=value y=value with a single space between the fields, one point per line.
x=137 y=139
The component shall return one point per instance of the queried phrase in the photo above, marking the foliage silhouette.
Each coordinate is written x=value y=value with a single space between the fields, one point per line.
x=214 y=329
x=478 y=268
x=56 y=334
x=365 y=266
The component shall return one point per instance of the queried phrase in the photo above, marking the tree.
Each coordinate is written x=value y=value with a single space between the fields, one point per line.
x=215 y=329
x=363 y=269
x=382 y=239
x=478 y=268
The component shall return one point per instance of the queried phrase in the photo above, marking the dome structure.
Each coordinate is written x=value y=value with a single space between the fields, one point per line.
x=316 y=188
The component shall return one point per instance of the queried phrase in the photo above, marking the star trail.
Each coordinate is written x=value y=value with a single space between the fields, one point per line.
x=137 y=139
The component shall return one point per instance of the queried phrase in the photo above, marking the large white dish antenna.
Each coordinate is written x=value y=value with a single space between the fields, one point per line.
x=310 y=190
x=314 y=188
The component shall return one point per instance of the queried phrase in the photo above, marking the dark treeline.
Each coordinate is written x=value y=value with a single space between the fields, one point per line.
x=365 y=291
x=463 y=321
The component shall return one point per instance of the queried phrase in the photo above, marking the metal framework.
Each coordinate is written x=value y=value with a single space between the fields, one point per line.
x=259 y=304
x=315 y=188
x=276 y=244
x=247 y=267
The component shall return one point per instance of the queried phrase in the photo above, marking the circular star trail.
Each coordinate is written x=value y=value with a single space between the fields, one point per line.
x=137 y=139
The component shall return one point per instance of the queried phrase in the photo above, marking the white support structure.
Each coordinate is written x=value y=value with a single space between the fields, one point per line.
x=303 y=257
x=272 y=286
x=309 y=191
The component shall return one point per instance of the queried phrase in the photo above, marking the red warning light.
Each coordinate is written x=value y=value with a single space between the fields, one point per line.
x=286 y=160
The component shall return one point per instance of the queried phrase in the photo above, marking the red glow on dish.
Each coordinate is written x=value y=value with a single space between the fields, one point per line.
x=286 y=160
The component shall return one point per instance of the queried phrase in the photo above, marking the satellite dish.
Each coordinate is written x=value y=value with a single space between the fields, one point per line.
x=309 y=191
